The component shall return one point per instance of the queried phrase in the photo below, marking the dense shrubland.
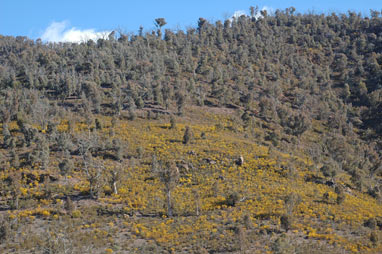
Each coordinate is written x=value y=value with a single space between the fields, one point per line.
x=256 y=134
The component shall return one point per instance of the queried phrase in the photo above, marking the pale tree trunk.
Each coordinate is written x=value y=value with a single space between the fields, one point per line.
x=115 y=187
x=114 y=180
x=197 y=201
x=17 y=202
x=169 y=208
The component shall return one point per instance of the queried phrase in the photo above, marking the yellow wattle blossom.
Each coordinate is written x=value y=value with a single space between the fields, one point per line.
x=108 y=251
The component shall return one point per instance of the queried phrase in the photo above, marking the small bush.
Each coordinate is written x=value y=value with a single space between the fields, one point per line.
x=247 y=221
x=374 y=238
x=291 y=201
x=172 y=122
x=370 y=223
x=340 y=194
x=340 y=199
x=76 y=214
x=374 y=192
x=98 y=124
x=283 y=245
x=3 y=233
x=325 y=197
x=69 y=206
x=231 y=199
x=328 y=171
x=187 y=135
x=286 y=221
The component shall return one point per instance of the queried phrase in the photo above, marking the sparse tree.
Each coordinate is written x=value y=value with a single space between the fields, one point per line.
x=180 y=103
x=93 y=170
x=196 y=194
x=15 y=161
x=172 y=122
x=187 y=137
x=98 y=124
x=286 y=222
x=291 y=202
x=119 y=149
x=15 y=184
x=115 y=175
x=168 y=173
x=253 y=11
x=159 y=23
x=340 y=194
x=91 y=167
x=45 y=154
x=69 y=206
x=65 y=166
x=374 y=238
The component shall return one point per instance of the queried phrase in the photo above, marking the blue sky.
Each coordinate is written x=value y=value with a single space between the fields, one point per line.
x=57 y=19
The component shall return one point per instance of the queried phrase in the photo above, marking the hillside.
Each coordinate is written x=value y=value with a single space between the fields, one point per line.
x=252 y=136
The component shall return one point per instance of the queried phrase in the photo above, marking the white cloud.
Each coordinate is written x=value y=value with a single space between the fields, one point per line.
x=236 y=15
x=60 y=32
x=239 y=13
x=269 y=10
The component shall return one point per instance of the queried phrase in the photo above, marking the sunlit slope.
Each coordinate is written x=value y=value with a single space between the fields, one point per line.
x=274 y=200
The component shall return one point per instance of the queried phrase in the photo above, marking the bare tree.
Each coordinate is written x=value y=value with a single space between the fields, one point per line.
x=15 y=190
x=168 y=174
x=115 y=176
x=93 y=169
x=41 y=112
